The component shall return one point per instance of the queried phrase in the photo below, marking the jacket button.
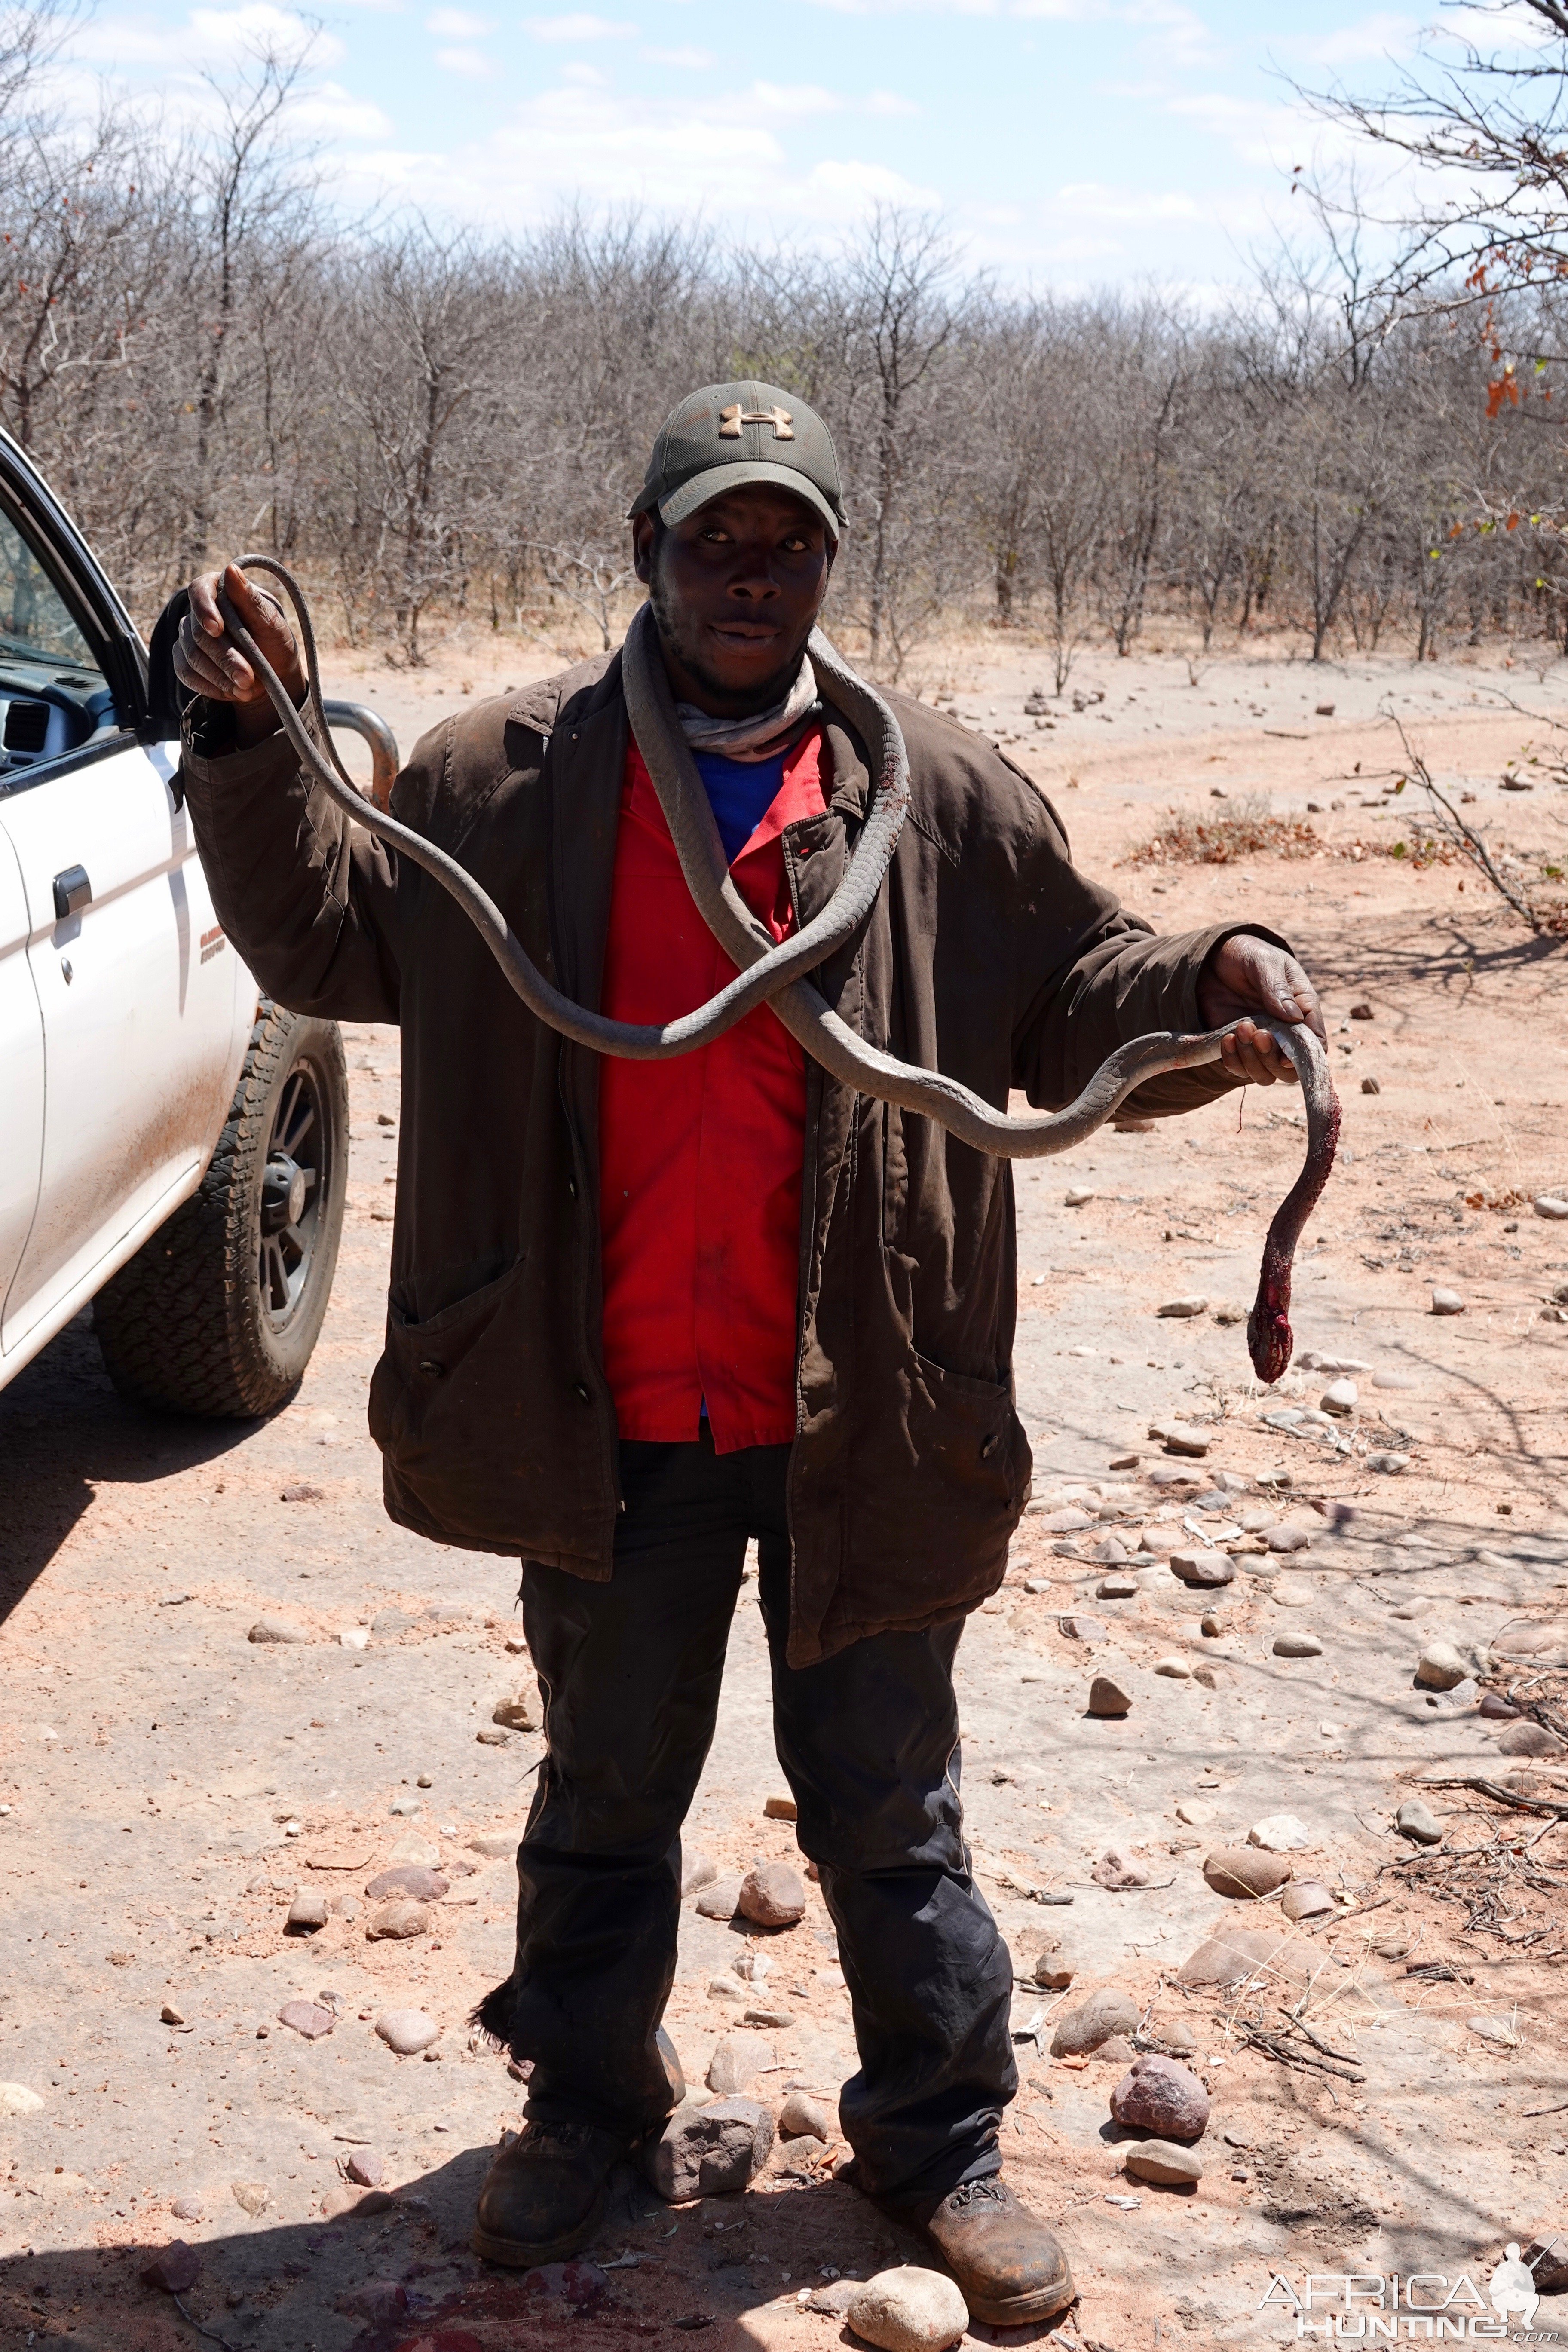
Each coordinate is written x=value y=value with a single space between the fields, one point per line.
x=430 y=1366
x=572 y=1186
x=580 y=1388
x=989 y=1447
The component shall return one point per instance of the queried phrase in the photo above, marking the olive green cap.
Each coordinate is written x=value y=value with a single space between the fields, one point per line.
x=732 y=433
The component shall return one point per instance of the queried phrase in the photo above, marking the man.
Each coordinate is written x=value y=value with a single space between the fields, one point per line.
x=642 y=1313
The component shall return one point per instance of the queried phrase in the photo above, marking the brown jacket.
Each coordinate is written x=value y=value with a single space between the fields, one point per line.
x=988 y=956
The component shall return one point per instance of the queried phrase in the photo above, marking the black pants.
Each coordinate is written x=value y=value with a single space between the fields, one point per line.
x=868 y=1742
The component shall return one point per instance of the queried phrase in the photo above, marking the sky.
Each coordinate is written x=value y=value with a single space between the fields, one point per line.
x=1069 y=143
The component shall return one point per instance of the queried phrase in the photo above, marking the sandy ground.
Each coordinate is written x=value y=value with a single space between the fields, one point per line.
x=168 y=1785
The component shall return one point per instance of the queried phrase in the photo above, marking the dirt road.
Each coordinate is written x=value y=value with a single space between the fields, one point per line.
x=168 y=1785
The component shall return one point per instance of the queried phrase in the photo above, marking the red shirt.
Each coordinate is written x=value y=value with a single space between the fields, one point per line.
x=700 y=1158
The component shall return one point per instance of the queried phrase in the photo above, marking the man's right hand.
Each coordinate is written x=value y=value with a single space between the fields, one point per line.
x=208 y=662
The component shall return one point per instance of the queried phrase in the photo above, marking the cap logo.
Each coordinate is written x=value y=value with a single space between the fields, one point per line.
x=730 y=420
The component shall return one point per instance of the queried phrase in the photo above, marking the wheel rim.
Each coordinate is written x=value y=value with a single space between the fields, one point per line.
x=294 y=1186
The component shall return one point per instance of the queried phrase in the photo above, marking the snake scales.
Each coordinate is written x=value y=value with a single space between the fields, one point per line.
x=775 y=972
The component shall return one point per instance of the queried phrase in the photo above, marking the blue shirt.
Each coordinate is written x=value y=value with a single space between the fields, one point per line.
x=740 y=794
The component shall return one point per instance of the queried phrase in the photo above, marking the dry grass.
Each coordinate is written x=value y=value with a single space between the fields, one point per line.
x=1246 y=829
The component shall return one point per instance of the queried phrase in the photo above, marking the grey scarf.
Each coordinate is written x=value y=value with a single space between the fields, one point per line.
x=761 y=736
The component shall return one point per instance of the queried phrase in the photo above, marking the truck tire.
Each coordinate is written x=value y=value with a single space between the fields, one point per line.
x=219 y=1311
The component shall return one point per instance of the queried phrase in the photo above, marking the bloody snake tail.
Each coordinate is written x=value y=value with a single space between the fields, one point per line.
x=774 y=972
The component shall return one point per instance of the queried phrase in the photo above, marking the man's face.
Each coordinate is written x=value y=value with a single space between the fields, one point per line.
x=736 y=589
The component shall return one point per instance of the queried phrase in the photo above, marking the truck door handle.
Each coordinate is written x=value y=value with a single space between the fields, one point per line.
x=73 y=891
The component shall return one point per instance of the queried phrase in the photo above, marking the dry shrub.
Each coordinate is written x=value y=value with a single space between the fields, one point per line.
x=1247 y=829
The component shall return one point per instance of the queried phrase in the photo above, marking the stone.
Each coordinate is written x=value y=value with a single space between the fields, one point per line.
x=1280 y=1833
x=709 y=2151
x=374 y=2299
x=520 y=1713
x=403 y=1809
x=418 y=1852
x=909 y=2310
x=780 y=1809
x=307 y=1912
x=1415 y=1820
x=1079 y=1627
x=1233 y=1954
x=420 y=1884
x=1551 y=1204
x=1160 y=2096
x=1211 y=1624
x=1447 y=1302
x=1370 y=1085
x=186 y=2209
x=1245 y=1872
x=1194 y=1813
x=406 y=2031
x=725 y=1989
x=170 y=2015
x=354 y=1637
x=1176 y=1437
x=398 y=1918
x=1339 y=1397
x=1285 y=1537
x=834 y=2296
x=1390 y=1465
x=1547 y=2254
x=1288 y=1591
x=1204 y=1569
x=17 y=2099
x=252 y=2197
x=1068 y=1521
x=491 y=1735
x=390 y=1620
x=1305 y=1898
x=1164 y=2163
x=304 y=2017
x=1174 y=1669
x=276 y=1629
x=1440 y=1666
x=1108 y=1695
x=1120 y=1585
x=1526 y=1738
x=176 y=2269
x=1495 y=1704
x=719 y=1899
x=1297 y=1645
x=773 y=1895
x=803 y=2117
x=365 y=2167
x=1182 y=1311
x=1083 y=2028
x=1054 y=1965
x=737 y=2060
x=1077 y=1196
x=1116 y=1871
x=697 y=1870
x=494 y=1844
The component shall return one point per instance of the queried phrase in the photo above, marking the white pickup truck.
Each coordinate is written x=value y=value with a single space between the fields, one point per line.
x=172 y=1147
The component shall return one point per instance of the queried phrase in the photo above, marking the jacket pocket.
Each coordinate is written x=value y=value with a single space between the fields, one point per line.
x=419 y=1357
x=965 y=1435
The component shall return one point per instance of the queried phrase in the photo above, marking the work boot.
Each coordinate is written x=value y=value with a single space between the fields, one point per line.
x=1008 y=2265
x=543 y=2196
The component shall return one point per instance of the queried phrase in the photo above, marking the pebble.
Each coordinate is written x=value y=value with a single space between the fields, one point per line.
x=1109 y=1695
x=406 y=2030
x=1117 y=1586
x=1390 y=1465
x=420 y=1884
x=780 y=1809
x=725 y=1989
x=522 y=1713
x=1077 y=1196
x=1285 y=1537
x=1054 y=1964
x=397 y=1918
x=1183 y=1310
x=1070 y=1520
x=1551 y=1204
x=1371 y=1086
x=304 y=2017
x=1204 y=1569
x=390 y=1620
x=491 y=1735
x=719 y=1899
x=175 y=2269
x=1341 y=1398
x=308 y=1911
x=252 y=2197
x=1246 y=1872
x=1305 y=1898
x=1297 y=1645
x=422 y=1852
x=403 y=1809
x=697 y=1870
x=1163 y=2162
x=1194 y=1813
x=1115 y=1871
x=1174 y=1669
x=1080 y=1627
x=1548 y=2257
x=1290 y=1592
x=1233 y=1954
x=276 y=1629
x=365 y=2167
x=1161 y=2095
x=803 y=2117
x=1447 y=1302
x=709 y=2151
x=1083 y=2028
x=496 y=1845
x=1177 y=1438
x=773 y=1895
x=17 y=2099
x=354 y=1637
x=186 y=2209
x=1415 y=1820
x=832 y=2297
x=1211 y=1623
x=1440 y=1666
x=170 y=2015
x=738 y=2058
x=909 y=2310
x=1529 y=1739
x=1280 y=1833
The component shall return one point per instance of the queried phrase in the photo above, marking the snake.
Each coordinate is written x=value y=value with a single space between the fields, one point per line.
x=775 y=972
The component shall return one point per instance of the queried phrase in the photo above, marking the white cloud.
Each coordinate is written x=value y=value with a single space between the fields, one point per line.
x=457 y=25
x=1375 y=37
x=209 y=36
x=575 y=28
x=1092 y=200
x=683 y=60
x=331 y=111
x=775 y=98
x=472 y=63
x=888 y=102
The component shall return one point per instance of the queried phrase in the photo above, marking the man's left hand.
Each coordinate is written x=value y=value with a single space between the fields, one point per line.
x=1246 y=976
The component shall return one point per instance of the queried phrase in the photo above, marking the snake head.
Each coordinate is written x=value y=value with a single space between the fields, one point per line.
x=1270 y=1337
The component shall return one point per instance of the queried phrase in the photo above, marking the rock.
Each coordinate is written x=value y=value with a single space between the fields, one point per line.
x=398 y=1918
x=780 y=1809
x=1161 y=2095
x=1280 y=1833
x=1180 y=2039
x=374 y=2299
x=520 y=1713
x=737 y=2060
x=1163 y=2162
x=725 y=1989
x=1233 y=1954
x=1390 y=1465
x=1414 y=1819
x=276 y=1629
x=1551 y=1204
x=1183 y=1310
x=1495 y=1704
x=1084 y=2027
x=1339 y=1397
x=709 y=2151
x=491 y=1735
x=1245 y=1872
x=1305 y=1898
x=580 y=2285
x=17 y=2099
x=1115 y=1871
x=697 y=1871
x=1547 y=2255
x=414 y=1879
x=1068 y=1521
x=170 y=2015
x=1526 y=1738
x=1177 y=1438
x=834 y=2296
x=803 y=2117
x=1077 y=1196
x=390 y=1620
x=403 y=1809
x=496 y=1845
x=304 y=2017
x=719 y=1900
x=418 y=1852
x=1120 y=1585
x=1194 y=1811
x=773 y=1895
x=308 y=1911
x=186 y=2209
x=1440 y=1666
x=1297 y=1645
x=1285 y=1537
x=406 y=2030
x=1054 y=1964
x=1370 y=1085
x=1108 y=1695
x=909 y=2310
x=1079 y=1627
x=252 y=2197
x=354 y=1637
x=1447 y=1302
x=1174 y=1669
x=1211 y=1624
x=1288 y=1591
x=365 y=2166
x=1204 y=1569
x=176 y=2270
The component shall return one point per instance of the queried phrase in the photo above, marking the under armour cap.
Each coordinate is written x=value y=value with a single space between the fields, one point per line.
x=730 y=434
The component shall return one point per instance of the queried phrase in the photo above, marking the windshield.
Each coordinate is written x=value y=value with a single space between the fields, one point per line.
x=35 y=626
